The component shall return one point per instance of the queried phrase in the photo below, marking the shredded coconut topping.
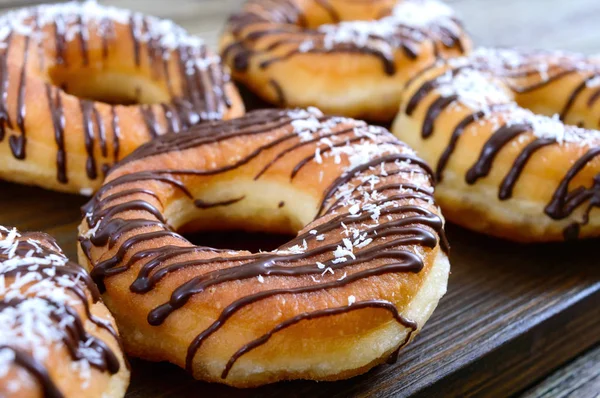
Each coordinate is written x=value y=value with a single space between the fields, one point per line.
x=476 y=87
x=352 y=144
x=67 y=17
x=356 y=199
x=421 y=13
x=33 y=301
x=429 y=14
x=507 y=61
x=552 y=127
x=473 y=88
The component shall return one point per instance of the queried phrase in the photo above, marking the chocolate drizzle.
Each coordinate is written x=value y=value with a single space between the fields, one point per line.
x=490 y=149
x=36 y=253
x=402 y=209
x=37 y=370
x=575 y=94
x=285 y=22
x=564 y=202
x=508 y=184
x=566 y=199
x=89 y=136
x=434 y=111
x=458 y=131
x=528 y=71
x=202 y=96
x=281 y=101
x=307 y=316
x=135 y=39
x=5 y=120
x=58 y=121
x=201 y=204
x=17 y=143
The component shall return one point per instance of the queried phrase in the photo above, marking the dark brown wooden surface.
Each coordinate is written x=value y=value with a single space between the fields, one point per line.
x=580 y=378
x=513 y=314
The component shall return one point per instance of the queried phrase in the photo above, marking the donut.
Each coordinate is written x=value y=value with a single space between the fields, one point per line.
x=512 y=135
x=83 y=85
x=345 y=57
x=356 y=284
x=57 y=339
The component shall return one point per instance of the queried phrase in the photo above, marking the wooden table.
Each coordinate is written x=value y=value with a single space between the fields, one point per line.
x=517 y=319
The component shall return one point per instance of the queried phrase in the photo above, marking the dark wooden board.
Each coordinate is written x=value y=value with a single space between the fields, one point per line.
x=511 y=315
x=580 y=378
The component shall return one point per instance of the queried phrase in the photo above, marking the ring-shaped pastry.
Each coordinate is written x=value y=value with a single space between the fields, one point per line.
x=57 y=339
x=500 y=128
x=83 y=85
x=355 y=285
x=345 y=57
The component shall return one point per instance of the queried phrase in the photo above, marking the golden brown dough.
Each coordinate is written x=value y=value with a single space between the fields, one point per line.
x=503 y=167
x=361 y=278
x=57 y=339
x=346 y=57
x=83 y=85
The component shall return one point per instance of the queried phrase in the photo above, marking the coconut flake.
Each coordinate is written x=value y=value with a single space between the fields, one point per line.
x=67 y=17
x=412 y=13
x=351 y=300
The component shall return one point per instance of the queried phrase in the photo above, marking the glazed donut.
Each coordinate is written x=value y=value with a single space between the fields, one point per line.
x=346 y=57
x=356 y=284
x=82 y=85
x=494 y=127
x=57 y=339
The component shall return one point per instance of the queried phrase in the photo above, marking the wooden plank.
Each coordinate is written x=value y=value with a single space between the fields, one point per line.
x=581 y=378
x=512 y=314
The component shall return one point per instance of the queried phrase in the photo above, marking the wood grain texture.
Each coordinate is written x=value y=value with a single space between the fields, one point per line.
x=581 y=378
x=513 y=313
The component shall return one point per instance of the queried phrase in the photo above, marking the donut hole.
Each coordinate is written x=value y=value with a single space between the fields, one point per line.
x=239 y=240
x=107 y=86
x=274 y=211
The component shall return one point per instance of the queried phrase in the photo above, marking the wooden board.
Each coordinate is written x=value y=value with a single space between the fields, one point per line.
x=512 y=314
x=580 y=378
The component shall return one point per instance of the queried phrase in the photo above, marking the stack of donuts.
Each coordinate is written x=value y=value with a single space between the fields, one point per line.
x=139 y=113
x=511 y=134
